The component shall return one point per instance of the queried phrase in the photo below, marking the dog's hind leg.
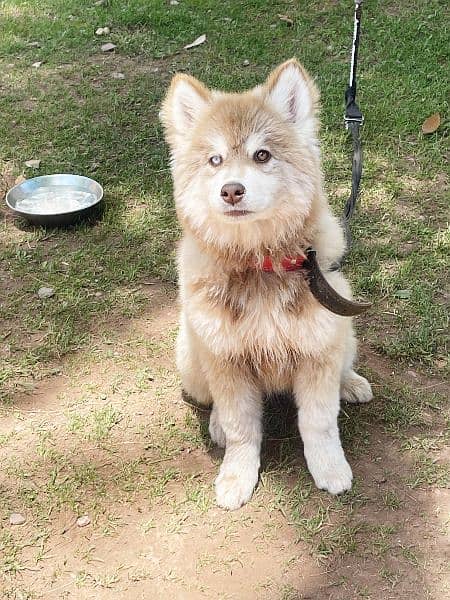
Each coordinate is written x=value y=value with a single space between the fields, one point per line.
x=215 y=429
x=188 y=356
x=354 y=387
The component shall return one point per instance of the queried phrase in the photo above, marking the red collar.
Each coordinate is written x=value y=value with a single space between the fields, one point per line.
x=288 y=263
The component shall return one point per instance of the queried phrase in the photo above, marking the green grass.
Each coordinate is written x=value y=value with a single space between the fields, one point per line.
x=73 y=116
x=98 y=425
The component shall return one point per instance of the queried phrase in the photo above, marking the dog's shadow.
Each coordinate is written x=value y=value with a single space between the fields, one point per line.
x=279 y=426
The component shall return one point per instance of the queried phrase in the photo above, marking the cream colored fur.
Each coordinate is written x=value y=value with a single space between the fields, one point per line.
x=244 y=332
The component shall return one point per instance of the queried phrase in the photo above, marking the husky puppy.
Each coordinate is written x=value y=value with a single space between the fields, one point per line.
x=248 y=189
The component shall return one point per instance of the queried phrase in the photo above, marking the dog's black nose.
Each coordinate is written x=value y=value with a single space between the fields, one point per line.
x=232 y=192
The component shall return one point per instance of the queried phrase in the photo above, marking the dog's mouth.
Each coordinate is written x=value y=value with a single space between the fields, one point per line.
x=237 y=213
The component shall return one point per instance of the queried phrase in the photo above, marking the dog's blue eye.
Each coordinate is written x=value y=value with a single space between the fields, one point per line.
x=262 y=156
x=216 y=160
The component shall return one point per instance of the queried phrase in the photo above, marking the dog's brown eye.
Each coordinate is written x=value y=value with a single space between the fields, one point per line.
x=262 y=156
x=216 y=160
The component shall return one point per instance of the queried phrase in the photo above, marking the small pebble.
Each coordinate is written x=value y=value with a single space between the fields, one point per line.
x=246 y=63
x=117 y=75
x=34 y=44
x=83 y=521
x=37 y=64
x=100 y=3
x=45 y=292
x=16 y=519
x=103 y=31
x=33 y=164
x=98 y=294
x=174 y=2
x=108 y=47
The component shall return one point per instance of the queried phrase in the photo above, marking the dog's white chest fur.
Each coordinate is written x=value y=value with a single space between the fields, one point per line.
x=266 y=321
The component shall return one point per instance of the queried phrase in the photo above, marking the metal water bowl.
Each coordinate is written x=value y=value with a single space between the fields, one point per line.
x=55 y=200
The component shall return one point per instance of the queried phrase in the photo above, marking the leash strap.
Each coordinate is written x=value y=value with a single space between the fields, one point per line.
x=326 y=295
x=353 y=120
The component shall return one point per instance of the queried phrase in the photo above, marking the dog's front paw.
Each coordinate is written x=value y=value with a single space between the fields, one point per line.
x=355 y=388
x=333 y=476
x=235 y=485
x=215 y=429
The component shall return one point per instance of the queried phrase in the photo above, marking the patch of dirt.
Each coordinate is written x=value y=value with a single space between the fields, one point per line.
x=137 y=65
x=390 y=372
x=7 y=178
x=147 y=482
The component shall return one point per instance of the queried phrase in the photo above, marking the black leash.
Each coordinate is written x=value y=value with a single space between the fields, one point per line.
x=319 y=286
x=353 y=120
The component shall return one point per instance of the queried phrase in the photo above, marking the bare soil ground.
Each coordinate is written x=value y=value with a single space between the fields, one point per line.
x=109 y=437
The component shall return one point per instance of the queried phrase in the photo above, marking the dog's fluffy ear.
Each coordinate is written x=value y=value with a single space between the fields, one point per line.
x=185 y=101
x=291 y=91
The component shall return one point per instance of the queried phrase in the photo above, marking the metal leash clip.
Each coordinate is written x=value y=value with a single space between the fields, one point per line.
x=352 y=111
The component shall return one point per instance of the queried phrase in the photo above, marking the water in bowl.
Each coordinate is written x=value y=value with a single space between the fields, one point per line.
x=54 y=201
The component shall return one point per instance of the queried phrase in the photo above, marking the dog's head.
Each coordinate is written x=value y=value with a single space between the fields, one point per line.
x=246 y=166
